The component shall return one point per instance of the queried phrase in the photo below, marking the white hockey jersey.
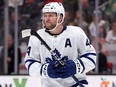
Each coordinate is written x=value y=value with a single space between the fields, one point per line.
x=72 y=42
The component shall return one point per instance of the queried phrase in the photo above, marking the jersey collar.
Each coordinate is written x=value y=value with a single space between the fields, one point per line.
x=64 y=28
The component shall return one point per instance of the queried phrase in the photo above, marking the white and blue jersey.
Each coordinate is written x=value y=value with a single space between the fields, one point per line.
x=71 y=42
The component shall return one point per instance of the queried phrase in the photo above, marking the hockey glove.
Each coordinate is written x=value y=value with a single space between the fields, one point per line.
x=68 y=70
x=47 y=70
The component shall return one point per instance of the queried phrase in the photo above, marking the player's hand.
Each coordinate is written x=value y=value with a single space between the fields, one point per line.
x=49 y=70
x=68 y=70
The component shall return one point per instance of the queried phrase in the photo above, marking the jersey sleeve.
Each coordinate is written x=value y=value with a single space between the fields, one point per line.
x=87 y=54
x=32 y=59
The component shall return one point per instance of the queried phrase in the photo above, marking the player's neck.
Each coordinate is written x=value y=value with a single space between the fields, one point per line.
x=58 y=30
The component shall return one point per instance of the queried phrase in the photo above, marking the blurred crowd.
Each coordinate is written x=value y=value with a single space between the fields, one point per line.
x=29 y=16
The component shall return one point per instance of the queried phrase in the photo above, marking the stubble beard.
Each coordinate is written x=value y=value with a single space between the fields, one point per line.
x=50 y=26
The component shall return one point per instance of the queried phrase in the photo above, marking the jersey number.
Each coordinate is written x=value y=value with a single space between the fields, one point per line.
x=88 y=42
x=28 y=50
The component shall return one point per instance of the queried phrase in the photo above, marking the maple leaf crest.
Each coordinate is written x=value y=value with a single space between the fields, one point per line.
x=48 y=59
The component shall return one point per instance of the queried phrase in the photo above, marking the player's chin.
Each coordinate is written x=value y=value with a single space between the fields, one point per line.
x=49 y=27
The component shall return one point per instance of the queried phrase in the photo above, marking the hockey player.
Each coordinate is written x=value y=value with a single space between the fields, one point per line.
x=70 y=44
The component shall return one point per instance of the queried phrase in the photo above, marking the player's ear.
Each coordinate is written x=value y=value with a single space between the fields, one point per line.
x=60 y=19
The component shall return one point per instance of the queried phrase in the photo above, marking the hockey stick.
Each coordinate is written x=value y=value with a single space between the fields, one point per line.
x=29 y=32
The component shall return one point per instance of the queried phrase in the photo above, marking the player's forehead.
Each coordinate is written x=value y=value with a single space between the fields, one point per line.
x=50 y=13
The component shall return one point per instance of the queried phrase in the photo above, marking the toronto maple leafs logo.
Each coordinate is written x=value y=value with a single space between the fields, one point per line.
x=53 y=59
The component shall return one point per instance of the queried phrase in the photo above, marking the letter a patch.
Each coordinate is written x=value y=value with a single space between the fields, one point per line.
x=68 y=43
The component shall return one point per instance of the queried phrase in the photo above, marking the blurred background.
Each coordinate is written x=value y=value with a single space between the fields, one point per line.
x=96 y=17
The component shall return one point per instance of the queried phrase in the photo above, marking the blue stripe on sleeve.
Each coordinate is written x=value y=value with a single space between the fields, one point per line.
x=86 y=56
x=31 y=62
